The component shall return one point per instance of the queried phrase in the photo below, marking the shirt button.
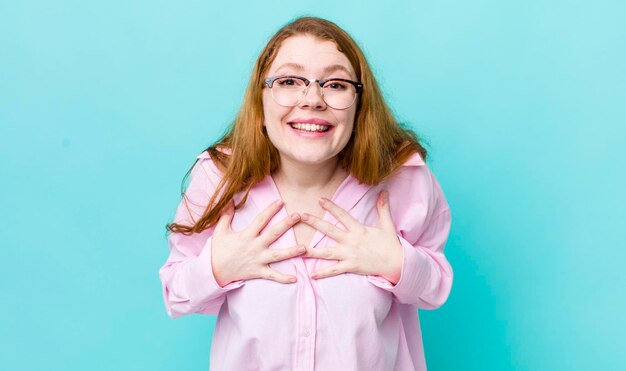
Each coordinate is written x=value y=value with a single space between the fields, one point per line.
x=307 y=332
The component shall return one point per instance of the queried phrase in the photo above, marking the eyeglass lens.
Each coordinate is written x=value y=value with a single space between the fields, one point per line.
x=289 y=91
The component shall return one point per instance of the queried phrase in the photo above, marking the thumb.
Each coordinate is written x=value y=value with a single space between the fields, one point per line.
x=223 y=223
x=384 y=213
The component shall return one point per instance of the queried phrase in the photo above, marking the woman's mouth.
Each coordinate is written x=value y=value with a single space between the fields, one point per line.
x=309 y=128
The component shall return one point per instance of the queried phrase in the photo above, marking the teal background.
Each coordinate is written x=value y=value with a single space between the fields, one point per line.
x=104 y=106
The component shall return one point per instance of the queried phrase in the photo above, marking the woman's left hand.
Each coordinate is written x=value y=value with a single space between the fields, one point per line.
x=361 y=249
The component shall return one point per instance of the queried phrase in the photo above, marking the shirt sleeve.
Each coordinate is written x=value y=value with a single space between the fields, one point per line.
x=189 y=285
x=426 y=275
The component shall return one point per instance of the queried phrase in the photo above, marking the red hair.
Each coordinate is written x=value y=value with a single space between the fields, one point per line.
x=377 y=147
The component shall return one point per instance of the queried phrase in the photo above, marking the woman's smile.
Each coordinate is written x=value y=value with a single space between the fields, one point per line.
x=311 y=128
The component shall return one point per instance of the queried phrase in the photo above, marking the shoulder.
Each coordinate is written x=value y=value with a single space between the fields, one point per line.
x=205 y=154
x=413 y=170
x=414 y=182
x=205 y=171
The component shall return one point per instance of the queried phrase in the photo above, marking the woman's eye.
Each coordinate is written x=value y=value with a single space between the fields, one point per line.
x=336 y=85
x=287 y=82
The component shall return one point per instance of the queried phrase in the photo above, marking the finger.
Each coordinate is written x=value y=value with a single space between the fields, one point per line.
x=276 y=255
x=263 y=218
x=333 y=270
x=324 y=227
x=223 y=223
x=270 y=274
x=323 y=253
x=384 y=212
x=277 y=230
x=340 y=214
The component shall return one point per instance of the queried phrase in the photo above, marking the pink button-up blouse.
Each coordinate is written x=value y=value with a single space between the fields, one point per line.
x=345 y=322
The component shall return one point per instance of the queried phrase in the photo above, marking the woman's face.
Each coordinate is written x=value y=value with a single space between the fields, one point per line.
x=314 y=59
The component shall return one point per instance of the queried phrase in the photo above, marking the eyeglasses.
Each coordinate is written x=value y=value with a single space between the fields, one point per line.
x=289 y=91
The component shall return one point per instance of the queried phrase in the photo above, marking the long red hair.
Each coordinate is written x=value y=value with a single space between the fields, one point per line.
x=378 y=146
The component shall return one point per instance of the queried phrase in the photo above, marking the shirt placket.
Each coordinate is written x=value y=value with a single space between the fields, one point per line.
x=306 y=325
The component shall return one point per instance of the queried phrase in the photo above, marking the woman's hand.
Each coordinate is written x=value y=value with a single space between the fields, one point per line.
x=361 y=249
x=244 y=255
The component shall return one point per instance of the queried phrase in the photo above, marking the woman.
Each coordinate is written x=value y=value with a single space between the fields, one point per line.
x=313 y=229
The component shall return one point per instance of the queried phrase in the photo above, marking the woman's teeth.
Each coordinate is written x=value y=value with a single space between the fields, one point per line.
x=310 y=127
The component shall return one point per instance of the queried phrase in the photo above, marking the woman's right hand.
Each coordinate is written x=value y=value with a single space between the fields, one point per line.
x=245 y=255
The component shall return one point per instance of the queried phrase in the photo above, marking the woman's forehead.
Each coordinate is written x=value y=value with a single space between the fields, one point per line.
x=308 y=54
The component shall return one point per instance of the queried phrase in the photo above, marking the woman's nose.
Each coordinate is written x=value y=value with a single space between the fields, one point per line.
x=313 y=97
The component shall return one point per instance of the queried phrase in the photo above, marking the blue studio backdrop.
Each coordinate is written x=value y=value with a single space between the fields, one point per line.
x=105 y=104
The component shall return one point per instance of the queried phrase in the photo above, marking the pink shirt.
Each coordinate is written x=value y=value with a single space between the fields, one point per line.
x=346 y=322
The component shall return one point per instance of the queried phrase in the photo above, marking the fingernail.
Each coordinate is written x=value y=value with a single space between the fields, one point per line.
x=313 y=275
x=305 y=217
x=301 y=249
x=292 y=279
x=323 y=200
x=295 y=217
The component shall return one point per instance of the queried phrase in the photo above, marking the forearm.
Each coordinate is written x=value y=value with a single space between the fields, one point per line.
x=426 y=275
x=189 y=285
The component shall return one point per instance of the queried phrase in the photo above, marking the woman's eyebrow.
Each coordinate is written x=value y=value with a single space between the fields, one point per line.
x=296 y=66
x=337 y=67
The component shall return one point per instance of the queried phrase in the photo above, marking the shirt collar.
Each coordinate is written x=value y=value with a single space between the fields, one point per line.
x=414 y=160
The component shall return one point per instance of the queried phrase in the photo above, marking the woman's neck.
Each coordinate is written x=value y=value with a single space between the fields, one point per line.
x=310 y=177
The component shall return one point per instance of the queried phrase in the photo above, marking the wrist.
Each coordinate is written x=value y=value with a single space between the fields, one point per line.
x=395 y=260
x=220 y=276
